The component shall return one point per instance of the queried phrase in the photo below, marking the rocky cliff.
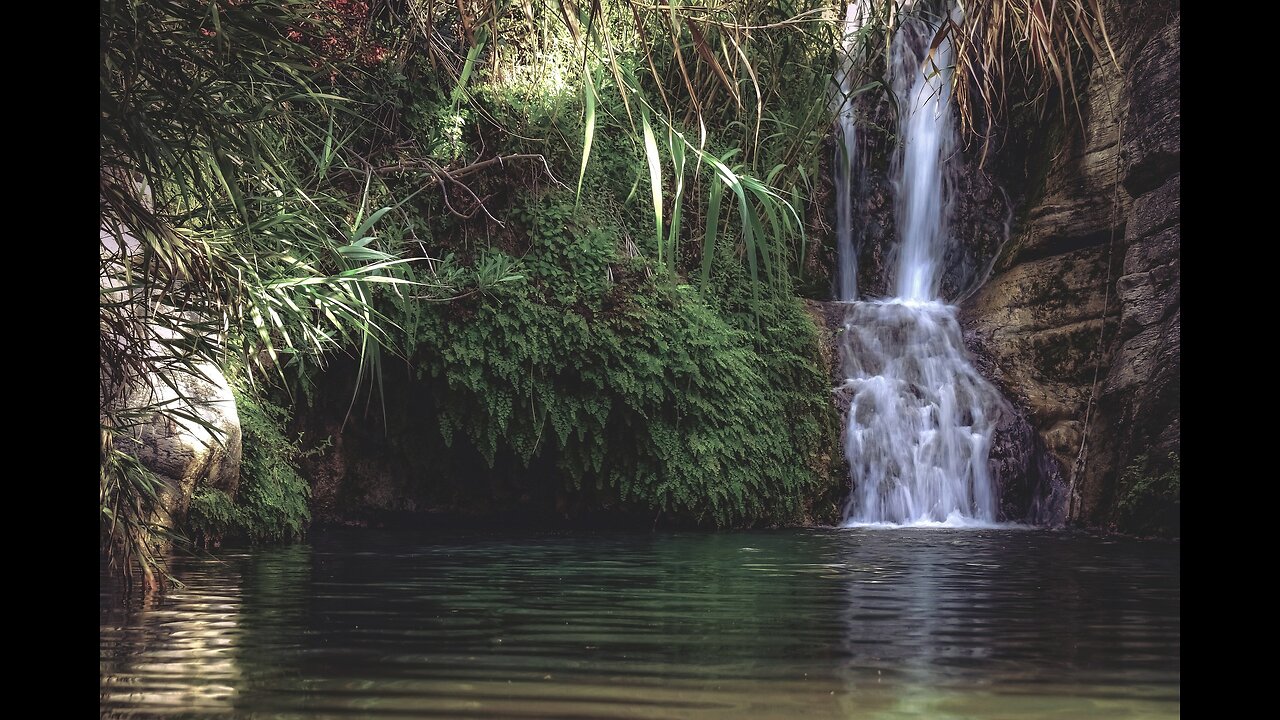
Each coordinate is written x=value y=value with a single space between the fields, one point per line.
x=1080 y=318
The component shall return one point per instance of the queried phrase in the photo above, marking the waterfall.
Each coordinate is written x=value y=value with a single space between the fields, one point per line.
x=922 y=86
x=921 y=418
x=845 y=153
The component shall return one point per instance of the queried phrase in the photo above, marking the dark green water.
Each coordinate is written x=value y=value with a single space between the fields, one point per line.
x=784 y=624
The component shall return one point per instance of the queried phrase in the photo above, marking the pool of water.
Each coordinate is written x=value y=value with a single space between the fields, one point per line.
x=825 y=623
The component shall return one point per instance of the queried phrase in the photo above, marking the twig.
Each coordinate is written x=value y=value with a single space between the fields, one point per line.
x=479 y=203
x=466 y=170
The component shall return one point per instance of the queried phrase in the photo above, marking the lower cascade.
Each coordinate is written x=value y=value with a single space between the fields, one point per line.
x=921 y=419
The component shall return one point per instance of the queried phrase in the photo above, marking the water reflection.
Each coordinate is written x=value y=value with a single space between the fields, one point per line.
x=826 y=623
x=149 y=654
x=1009 y=624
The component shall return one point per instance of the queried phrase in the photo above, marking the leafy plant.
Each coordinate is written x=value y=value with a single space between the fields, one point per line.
x=1150 y=496
x=1003 y=53
x=637 y=391
x=219 y=230
x=271 y=501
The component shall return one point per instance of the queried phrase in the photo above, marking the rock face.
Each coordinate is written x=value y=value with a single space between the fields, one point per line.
x=1080 y=319
x=182 y=453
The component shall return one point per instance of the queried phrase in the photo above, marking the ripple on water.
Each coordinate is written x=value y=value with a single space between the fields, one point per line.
x=921 y=622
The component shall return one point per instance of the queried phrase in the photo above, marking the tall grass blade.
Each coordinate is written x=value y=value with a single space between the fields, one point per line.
x=589 y=107
x=655 y=176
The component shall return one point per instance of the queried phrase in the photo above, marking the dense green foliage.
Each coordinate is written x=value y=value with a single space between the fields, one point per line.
x=625 y=354
x=269 y=170
x=1150 y=496
x=271 y=501
x=639 y=387
x=222 y=231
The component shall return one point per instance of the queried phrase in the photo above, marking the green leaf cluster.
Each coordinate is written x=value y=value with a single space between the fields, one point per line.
x=271 y=501
x=1150 y=496
x=639 y=390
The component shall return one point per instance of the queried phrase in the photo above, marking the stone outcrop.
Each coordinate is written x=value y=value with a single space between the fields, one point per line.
x=179 y=421
x=182 y=453
x=1080 y=320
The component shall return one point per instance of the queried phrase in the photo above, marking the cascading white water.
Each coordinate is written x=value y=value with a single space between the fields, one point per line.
x=922 y=85
x=921 y=418
x=845 y=152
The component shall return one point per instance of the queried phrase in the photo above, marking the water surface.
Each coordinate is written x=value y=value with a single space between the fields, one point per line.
x=852 y=623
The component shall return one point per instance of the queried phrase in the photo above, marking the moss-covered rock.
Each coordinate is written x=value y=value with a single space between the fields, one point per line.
x=271 y=501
